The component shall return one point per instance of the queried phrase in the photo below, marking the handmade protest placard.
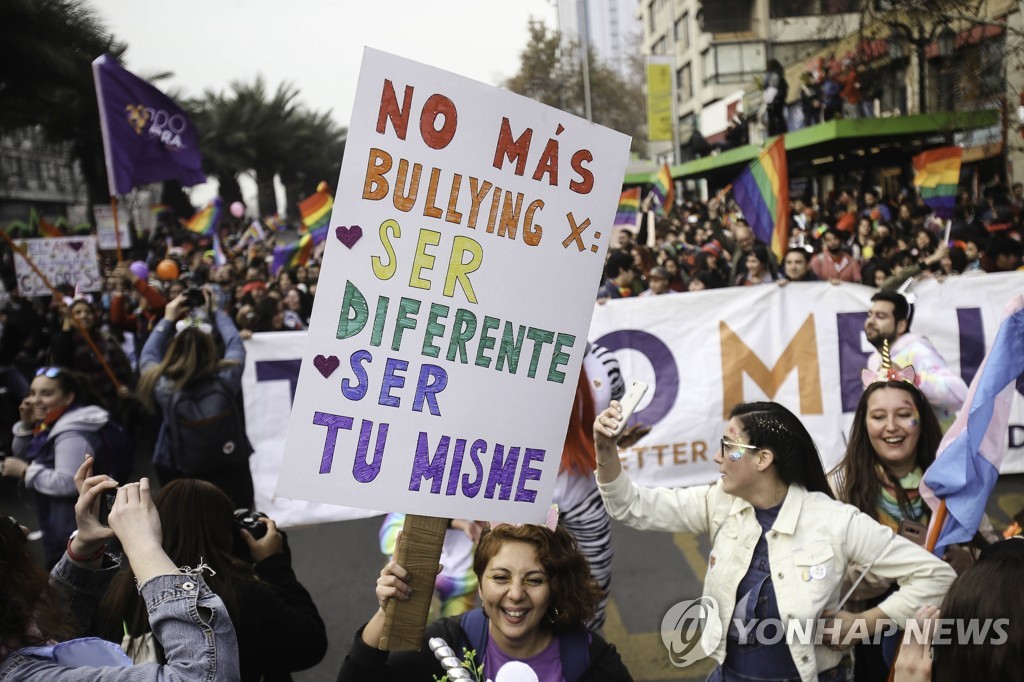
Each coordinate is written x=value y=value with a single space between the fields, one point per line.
x=67 y=261
x=105 y=227
x=465 y=250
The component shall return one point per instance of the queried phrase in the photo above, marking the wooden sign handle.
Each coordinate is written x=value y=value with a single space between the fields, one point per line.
x=418 y=552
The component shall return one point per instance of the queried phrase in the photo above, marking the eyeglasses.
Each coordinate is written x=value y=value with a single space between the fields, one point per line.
x=735 y=450
x=48 y=372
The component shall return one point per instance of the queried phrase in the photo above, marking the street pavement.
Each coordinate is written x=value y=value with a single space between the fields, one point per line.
x=339 y=563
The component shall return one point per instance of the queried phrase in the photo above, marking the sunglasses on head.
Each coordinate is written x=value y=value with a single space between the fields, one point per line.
x=48 y=372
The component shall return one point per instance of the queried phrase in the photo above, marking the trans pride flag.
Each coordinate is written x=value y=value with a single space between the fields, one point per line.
x=205 y=221
x=762 y=192
x=629 y=207
x=936 y=178
x=967 y=465
x=294 y=255
x=665 y=190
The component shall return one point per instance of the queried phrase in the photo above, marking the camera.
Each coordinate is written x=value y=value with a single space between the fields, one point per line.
x=194 y=297
x=107 y=498
x=251 y=521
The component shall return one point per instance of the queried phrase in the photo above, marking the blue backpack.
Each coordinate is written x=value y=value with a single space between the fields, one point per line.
x=573 y=644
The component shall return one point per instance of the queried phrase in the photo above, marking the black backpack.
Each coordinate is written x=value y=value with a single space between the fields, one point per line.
x=206 y=428
x=116 y=454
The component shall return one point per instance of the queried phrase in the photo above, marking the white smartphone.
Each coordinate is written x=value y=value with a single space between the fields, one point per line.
x=629 y=402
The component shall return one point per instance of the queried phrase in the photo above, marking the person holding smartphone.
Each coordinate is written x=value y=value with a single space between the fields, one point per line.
x=780 y=545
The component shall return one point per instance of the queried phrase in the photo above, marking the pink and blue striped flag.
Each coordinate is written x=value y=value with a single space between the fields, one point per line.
x=967 y=465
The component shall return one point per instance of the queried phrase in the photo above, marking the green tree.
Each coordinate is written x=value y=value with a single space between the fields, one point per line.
x=46 y=53
x=249 y=130
x=552 y=75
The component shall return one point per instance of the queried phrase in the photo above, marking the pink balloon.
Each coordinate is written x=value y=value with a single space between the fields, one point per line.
x=237 y=209
x=139 y=269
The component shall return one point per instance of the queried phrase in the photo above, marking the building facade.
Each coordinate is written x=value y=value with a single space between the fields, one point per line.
x=612 y=28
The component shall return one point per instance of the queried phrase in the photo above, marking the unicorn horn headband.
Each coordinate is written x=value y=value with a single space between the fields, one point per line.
x=551 y=522
x=887 y=371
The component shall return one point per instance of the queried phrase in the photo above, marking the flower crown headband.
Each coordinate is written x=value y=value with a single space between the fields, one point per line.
x=887 y=371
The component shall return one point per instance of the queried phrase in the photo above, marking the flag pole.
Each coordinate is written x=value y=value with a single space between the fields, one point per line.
x=78 y=325
x=117 y=227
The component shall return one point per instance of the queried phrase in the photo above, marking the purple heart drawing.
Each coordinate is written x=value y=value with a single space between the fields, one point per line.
x=348 y=235
x=326 y=365
x=77 y=246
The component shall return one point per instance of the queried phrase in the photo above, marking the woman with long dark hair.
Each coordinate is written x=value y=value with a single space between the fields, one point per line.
x=780 y=545
x=42 y=613
x=278 y=626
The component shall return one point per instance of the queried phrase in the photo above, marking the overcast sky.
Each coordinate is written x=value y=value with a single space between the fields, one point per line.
x=317 y=44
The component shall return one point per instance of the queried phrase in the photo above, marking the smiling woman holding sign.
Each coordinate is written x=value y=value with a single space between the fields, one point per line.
x=780 y=546
x=536 y=591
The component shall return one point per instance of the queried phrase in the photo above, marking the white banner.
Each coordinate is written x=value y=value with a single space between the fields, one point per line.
x=67 y=261
x=801 y=345
x=680 y=334
x=454 y=299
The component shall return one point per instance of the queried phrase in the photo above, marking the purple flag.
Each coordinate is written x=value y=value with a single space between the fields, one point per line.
x=146 y=136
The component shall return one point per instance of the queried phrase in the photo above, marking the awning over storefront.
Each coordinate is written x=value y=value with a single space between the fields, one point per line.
x=830 y=142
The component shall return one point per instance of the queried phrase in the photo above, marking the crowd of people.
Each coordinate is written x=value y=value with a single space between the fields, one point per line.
x=188 y=581
x=854 y=236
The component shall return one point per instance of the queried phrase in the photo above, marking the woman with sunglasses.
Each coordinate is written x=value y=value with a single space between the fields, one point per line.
x=57 y=429
x=780 y=547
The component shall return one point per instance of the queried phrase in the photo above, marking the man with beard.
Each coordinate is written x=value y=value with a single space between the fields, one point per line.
x=889 y=320
x=833 y=264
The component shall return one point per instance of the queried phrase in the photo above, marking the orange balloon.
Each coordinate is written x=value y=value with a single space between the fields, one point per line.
x=167 y=270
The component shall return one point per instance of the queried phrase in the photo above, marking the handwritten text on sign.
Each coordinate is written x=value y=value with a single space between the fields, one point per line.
x=454 y=299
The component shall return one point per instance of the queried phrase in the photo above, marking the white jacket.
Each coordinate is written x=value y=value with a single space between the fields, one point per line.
x=810 y=545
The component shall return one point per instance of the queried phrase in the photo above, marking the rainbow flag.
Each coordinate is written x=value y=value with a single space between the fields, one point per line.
x=294 y=255
x=762 y=192
x=936 y=178
x=629 y=207
x=966 y=467
x=206 y=220
x=275 y=222
x=45 y=227
x=665 y=190
x=315 y=211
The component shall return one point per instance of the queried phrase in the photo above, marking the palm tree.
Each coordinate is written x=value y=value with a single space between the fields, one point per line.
x=46 y=53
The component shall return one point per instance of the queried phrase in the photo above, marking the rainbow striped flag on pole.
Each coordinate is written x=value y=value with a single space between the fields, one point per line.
x=762 y=192
x=206 y=220
x=936 y=178
x=294 y=255
x=629 y=207
x=665 y=190
x=316 y=209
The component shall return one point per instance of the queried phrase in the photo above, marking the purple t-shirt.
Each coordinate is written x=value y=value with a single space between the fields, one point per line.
x=547 y=664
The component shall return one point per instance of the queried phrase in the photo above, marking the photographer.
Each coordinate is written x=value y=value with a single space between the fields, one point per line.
x=198 y=393
x=186 y=617
x=279 y=628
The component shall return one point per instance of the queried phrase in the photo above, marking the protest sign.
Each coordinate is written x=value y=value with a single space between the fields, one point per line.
x=465 y=248
x=67 y=261
x=105 y=227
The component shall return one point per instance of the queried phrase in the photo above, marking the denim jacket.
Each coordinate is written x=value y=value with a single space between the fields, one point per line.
x=188 y=619
x=810 y=545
